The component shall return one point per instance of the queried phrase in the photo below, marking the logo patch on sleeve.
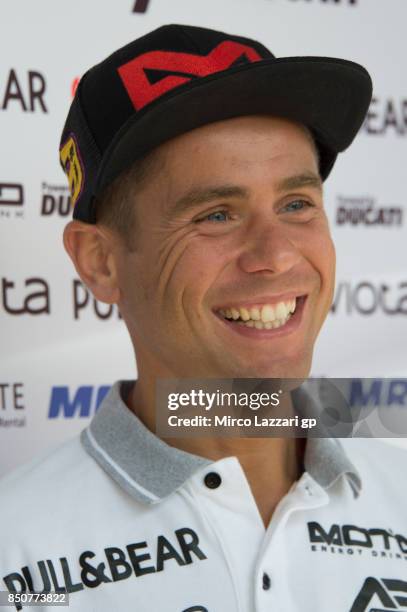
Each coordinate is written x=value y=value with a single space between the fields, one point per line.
x=73 y=167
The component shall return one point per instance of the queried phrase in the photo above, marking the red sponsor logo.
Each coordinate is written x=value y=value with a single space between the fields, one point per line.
x=142 y=92
x=74 y=85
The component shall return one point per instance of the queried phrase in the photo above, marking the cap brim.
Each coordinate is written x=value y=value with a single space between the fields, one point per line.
x=330 y=96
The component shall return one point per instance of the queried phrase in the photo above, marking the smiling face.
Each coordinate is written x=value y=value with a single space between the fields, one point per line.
x=233 y=269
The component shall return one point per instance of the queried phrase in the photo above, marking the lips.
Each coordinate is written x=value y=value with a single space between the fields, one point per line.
x=267 y=317
x=262 y=316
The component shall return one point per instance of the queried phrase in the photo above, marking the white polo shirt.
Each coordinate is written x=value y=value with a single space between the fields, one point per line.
x=125 y=522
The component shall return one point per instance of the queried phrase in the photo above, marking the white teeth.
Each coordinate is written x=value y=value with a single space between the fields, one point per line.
x=235 y=313
x=268 y=316
x=260 y=324
x=244 y=314
x=265 y=325
x=255 y=314
x=281 y=311
x=267 y=313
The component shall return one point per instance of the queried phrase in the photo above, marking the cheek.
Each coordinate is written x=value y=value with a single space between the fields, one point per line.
x=135 y=290
x=173 y=274
x=197 y=268
x=325 y=263
x=329 y=261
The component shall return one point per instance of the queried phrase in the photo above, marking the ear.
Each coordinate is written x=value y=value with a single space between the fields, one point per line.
x=91 y=250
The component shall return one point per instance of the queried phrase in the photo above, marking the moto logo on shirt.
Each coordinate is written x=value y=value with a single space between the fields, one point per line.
x=137 y=559
x=381 y=595
x=352 y=539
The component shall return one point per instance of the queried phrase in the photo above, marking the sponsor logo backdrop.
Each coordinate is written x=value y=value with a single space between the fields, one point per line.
x=60 y=348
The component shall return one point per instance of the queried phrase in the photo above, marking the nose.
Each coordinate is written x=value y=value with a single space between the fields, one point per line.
x=269 y=247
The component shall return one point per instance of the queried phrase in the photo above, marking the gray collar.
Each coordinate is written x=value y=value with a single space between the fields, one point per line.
x=150 y=470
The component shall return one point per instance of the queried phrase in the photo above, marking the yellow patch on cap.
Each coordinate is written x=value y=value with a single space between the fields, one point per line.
x=72 y=165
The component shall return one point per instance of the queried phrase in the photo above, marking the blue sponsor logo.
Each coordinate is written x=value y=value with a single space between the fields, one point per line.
x=378 y=392
x=83 y=402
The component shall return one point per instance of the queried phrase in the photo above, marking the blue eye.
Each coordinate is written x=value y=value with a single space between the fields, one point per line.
x=298 y=205
x=218 y=215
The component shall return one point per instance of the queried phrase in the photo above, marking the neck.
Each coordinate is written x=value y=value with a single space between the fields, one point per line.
x=271 y=465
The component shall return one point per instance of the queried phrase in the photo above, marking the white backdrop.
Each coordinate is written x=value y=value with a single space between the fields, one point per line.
x=60 y=350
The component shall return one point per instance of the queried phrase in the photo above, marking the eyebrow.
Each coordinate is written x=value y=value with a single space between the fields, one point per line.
x=197 y=196
x=306 y=179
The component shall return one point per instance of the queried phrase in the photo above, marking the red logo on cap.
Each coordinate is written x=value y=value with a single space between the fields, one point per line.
x=142 y=92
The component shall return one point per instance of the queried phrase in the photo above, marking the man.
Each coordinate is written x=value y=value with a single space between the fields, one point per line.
x=196 y=162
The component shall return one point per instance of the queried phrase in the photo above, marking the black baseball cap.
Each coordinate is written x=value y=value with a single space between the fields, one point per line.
x=178 y=78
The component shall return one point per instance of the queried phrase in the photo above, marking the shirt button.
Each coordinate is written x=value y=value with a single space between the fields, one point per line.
x=213 y=480
x=266 y=582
